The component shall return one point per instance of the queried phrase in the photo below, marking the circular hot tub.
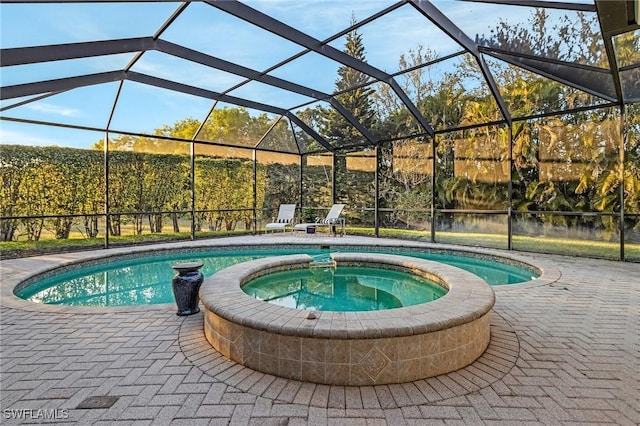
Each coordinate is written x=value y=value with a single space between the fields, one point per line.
x=349 y=348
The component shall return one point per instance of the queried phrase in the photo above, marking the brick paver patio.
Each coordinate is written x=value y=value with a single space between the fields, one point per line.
x=565 y=350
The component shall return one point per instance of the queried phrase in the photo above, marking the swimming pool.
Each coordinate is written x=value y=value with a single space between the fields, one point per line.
x=146 y=278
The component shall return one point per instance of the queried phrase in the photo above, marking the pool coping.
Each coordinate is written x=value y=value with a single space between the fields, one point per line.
x=14 y=272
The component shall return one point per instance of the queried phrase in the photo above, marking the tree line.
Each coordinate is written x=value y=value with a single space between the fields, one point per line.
x=144 y=189
x=566 y=162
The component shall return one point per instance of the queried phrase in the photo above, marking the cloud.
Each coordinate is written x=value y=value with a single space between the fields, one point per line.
x=51 y=109
x=17 y=134
x=13 y=137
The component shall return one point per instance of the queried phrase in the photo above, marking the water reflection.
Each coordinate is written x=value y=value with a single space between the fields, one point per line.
x=343 y=289
x=121 y=284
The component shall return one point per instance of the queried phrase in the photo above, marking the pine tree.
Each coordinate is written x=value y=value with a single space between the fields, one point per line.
x=356 y=98
x=335 y=127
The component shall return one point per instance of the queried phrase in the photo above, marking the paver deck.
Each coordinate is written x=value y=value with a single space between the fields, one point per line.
x=565 y=350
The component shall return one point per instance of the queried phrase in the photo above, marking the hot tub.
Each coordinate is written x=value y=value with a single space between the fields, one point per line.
x=349 y=348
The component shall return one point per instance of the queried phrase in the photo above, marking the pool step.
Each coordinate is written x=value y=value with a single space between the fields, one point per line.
x=323 y=264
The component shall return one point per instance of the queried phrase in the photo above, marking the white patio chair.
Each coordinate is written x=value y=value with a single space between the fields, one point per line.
x=331 y=220
x=285 y=219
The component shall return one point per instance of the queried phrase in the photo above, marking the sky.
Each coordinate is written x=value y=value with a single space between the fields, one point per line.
x=142 y=108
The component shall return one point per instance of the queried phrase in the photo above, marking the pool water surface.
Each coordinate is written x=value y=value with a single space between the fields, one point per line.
x=147 y=280
x=343 y=289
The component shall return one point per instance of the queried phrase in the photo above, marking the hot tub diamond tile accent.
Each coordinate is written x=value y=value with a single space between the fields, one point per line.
x=374 y=363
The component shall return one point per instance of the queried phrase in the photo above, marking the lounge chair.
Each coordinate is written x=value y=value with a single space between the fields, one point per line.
x=332 y=220
x=285 y=218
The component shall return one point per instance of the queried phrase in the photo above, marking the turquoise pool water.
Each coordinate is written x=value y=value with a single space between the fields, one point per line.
x=343 y=289
x=147 y=280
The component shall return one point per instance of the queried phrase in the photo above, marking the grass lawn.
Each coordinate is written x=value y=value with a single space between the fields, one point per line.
x=566 y=246
x=14 y=249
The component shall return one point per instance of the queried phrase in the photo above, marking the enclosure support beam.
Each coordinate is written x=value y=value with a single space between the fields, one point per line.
x=433 y=189
x=493 y=86
x=353 y=121
x=510 y=192
x=583 y=7
x=376 y=198
x=107 y=206
x=607 y=36
x=192 y=185
x=59 y=85
x=294 y=118
x=106 y=189
x=193 y=169
x=333 y=178
x=255 y=192
x=593 y=80
x=624 y=134
x=61 y=52
x=303 y=160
